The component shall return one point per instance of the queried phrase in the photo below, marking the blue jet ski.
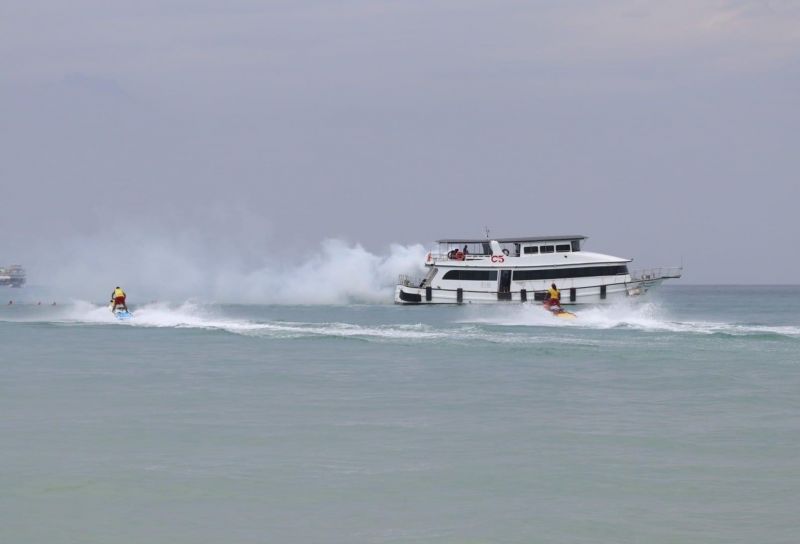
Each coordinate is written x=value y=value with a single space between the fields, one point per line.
x=121 y=313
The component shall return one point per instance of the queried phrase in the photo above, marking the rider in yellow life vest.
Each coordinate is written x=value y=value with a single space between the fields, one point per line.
x=553 y=300
x=555 y=294
x=118 y=298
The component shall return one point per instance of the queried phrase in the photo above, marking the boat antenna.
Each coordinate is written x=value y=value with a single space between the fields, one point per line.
x=486 y=231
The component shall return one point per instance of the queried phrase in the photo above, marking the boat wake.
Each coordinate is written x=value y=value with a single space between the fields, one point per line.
x=519 y=324
x=203 y=317
x=648 y=317
x=195 y=316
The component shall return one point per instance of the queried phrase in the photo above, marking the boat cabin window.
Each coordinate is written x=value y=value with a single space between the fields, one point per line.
x=576 y=245
x=546 y=249
x=531 y=250
x=563 y=248
x=471 y=275
x=556 y=273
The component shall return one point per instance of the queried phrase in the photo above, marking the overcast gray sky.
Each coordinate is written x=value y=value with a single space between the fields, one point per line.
x=238 y=129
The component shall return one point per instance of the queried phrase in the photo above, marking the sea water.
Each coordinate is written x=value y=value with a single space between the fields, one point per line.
x=675 y=419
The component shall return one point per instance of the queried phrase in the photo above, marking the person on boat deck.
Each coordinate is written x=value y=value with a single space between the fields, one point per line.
x=553 y=296
x=465 y=250
x=118 y=298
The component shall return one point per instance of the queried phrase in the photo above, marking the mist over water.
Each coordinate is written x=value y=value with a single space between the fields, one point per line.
x=238 y=268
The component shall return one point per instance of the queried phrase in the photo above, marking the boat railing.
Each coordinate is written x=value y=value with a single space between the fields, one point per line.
x=467 y=257
x=409 y=281
x=658 y=273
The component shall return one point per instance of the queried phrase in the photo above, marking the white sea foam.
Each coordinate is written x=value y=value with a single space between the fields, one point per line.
x=191 y=315
x=637 y=316
x=195 y=316
x=518 y=324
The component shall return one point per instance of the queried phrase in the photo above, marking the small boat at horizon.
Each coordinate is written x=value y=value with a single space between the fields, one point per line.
x=13 y=276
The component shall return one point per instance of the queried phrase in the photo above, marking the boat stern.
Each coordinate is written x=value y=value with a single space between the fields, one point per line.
x=644 y=280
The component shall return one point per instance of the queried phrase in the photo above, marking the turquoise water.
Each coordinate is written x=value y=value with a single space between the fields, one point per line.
x=673 y=420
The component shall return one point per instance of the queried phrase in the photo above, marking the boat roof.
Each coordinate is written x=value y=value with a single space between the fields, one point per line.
x=516 y=239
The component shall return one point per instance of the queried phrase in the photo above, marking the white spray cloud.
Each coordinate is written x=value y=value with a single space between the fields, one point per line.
x=184 y=266
x=336 y=274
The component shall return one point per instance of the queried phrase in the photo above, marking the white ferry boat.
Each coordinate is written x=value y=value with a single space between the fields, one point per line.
x=521 y=269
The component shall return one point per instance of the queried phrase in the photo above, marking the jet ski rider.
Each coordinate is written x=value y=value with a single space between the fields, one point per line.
x=553 y=297
x=118 y=298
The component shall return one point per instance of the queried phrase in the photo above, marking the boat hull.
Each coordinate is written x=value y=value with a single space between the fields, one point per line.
x=598 y=294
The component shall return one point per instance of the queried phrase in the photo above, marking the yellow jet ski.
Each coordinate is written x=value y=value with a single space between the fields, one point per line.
x=563 y=314
x=558 y=311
